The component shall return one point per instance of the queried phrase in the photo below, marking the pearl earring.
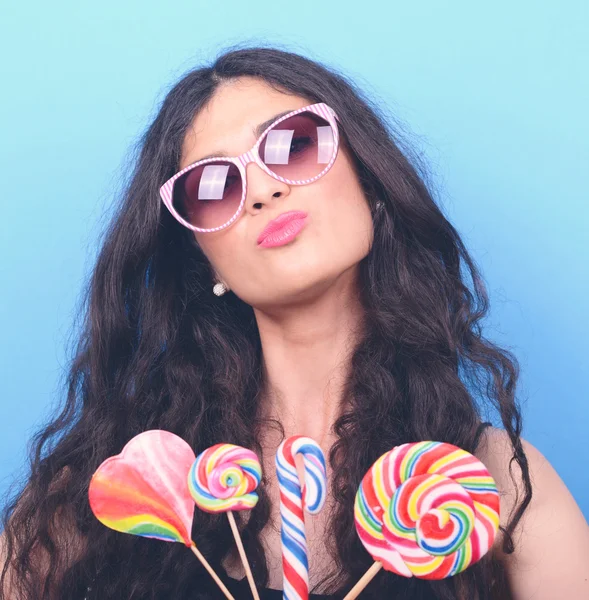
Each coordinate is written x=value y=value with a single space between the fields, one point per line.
x=219 y=289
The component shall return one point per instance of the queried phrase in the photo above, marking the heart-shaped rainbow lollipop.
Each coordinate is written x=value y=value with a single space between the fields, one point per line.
x=143 y=491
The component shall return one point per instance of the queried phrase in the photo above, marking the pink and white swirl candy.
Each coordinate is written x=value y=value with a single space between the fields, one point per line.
x=427 y=509
x=223 y=478
x=293 y=499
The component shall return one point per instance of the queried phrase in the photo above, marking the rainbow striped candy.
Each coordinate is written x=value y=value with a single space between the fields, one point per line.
x=312 y=496
x=143 y=491
x=427 y=509
x=224 y=477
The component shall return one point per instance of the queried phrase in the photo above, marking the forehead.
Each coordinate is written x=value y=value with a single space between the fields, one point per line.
x=226 y=124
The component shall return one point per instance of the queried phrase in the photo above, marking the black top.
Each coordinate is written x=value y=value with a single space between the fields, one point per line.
x=241 y=589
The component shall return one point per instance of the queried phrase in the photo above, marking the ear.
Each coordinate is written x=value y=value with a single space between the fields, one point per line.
x=218 y=279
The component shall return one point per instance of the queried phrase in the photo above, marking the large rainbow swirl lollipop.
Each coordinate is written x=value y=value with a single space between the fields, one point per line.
x=293 y=499
x=426 y=509
x=223 y=478
x=142 y=491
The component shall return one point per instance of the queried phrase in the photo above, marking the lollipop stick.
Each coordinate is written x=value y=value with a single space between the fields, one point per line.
x=212 y=573
x=364 y=581
x=246 y=565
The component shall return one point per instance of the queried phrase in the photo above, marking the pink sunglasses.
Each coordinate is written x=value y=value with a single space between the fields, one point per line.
x=298 y=148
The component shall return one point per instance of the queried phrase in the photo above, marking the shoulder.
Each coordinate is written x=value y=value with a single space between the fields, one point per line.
x=551 y=557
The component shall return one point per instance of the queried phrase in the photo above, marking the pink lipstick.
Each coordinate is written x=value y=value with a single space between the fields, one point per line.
x=283 y=229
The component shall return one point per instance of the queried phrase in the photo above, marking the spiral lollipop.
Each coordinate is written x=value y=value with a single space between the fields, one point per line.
x=223 y=478
x=312 y=496
x=142 y=491
x=427 y=509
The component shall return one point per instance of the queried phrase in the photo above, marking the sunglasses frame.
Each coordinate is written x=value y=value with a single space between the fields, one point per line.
x=252 y=155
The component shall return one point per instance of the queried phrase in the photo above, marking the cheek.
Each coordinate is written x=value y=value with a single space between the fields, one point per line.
x=348 y=214
x=219 y=248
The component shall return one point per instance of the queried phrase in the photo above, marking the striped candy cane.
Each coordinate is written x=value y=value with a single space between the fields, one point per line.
x=295 y=563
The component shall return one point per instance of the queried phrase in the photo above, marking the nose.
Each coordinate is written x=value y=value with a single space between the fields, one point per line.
x=262 y=190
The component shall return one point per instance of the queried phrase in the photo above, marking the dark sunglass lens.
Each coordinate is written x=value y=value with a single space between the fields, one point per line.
x=208 y=195
x=300 y=147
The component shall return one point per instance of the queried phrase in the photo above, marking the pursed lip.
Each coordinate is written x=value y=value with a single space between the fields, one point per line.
x=280 y=222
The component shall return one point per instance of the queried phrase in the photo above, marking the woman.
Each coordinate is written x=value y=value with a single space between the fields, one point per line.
x=324 y=297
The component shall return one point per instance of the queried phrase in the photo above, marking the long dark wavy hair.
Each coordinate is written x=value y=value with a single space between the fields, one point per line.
x=159 y=350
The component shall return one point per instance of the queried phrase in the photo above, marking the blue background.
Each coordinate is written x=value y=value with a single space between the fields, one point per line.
x=497 y=98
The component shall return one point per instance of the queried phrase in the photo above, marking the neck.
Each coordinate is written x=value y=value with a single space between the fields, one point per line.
x=306 y=359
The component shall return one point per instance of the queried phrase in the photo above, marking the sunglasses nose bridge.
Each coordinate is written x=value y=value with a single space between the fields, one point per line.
x=247 y=158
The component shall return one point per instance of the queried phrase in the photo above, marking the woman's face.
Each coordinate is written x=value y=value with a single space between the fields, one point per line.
x=338 y=231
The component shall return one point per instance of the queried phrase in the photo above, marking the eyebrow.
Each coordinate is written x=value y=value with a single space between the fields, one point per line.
x=258 y=131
